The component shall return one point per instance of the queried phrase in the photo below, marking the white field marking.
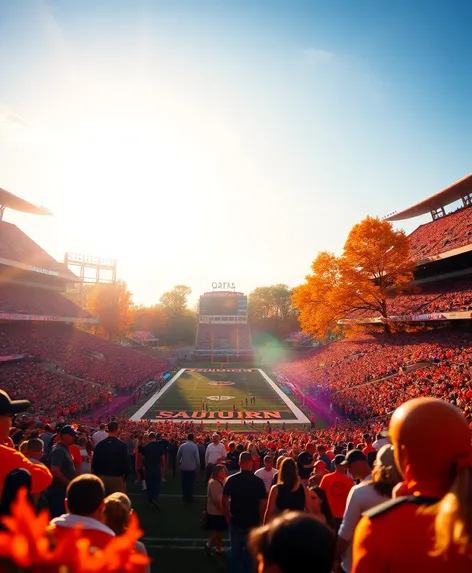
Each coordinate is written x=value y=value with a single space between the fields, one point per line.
x=153 y=399
x=300 y=417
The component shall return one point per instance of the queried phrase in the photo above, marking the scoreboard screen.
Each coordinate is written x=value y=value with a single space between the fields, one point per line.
x=223 y=305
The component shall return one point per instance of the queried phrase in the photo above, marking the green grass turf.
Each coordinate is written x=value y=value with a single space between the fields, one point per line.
x=192 y=388
x=172 y=534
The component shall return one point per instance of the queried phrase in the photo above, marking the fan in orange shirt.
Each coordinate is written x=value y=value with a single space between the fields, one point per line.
x=337 y=486
x=10 y=459
x=428 y=526
x=368 y=444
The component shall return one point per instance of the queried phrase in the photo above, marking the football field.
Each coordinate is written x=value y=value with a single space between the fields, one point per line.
x=213 y=395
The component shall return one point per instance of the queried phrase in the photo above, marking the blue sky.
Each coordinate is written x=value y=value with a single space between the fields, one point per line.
x=216 y=141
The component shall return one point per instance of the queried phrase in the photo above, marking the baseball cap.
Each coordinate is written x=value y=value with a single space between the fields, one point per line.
x=9 y=406
x=354 y=456
x=68 y=430
x=338 y=460
x=269 y=458
x=320 y=463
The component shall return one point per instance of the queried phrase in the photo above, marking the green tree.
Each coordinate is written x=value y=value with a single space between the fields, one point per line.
x=175 y=301
x=271 y=310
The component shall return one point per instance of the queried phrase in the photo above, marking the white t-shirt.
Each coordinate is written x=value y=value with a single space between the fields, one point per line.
x=86 y=466
x=361 y=498
x=214 y=452
x=266 y=477
x=99 y=436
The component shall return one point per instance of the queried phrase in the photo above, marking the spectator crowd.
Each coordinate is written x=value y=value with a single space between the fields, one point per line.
x=333 y=497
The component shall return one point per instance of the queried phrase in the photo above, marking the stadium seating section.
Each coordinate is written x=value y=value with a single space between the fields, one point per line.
x=442 y=235
x=69 y=370
x=444 y=296
x=372 y=375
x=21 y=299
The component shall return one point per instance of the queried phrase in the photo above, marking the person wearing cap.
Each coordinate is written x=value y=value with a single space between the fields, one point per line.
x=428 y=524
x=337 y=486
x=63 y=470
x=360 y=499
x=111 y=461
x=319 y=471
x=10 y=459
x=267 y=472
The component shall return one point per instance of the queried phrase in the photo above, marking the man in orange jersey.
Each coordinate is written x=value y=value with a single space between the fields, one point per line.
x=428 y=524
x=10 y=459
x=337 y=486
x=84 y=503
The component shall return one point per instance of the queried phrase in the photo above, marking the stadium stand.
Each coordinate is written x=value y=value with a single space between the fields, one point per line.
x=21 y=299
x=372 y=375
x=72 y=355
x=17 y=247
x=445 y=234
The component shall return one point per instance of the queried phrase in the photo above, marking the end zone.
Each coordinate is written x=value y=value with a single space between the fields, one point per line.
x=224 y=417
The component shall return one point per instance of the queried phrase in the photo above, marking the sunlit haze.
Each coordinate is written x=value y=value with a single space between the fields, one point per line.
x=215 y=141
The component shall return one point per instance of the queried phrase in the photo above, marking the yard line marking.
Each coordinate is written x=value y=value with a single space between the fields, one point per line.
x=301 y=418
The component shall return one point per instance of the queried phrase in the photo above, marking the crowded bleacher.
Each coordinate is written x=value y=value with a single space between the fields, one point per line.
x=66 y=368
x=444 y=234
x=22 y=299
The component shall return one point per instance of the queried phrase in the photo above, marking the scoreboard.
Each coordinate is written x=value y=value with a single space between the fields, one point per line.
x=223 y=308
x=221 y=305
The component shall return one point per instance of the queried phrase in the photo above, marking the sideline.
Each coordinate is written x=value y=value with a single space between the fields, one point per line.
x=136 y=417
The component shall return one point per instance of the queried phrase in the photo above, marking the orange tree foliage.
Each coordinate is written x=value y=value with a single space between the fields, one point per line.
x=375 y=260
x=113 y=306
x=26 y=546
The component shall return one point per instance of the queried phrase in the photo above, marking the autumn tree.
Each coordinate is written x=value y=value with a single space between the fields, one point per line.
x=271 y=310
x=174 y=302
x=151 y=318
x=374 y=264
x=112 y=305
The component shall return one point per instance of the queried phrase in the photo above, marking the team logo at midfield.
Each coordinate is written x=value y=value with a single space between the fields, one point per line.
x=220 y=383
x=218 y=398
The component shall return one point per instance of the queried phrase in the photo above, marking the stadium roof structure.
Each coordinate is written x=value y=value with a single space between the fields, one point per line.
x=11 y=201
x=435 y=204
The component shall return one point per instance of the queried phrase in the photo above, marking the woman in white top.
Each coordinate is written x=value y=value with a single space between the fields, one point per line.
x=86 y=466
x=215 y=517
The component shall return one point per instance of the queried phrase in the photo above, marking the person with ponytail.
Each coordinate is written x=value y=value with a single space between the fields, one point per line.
x=427 y=526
